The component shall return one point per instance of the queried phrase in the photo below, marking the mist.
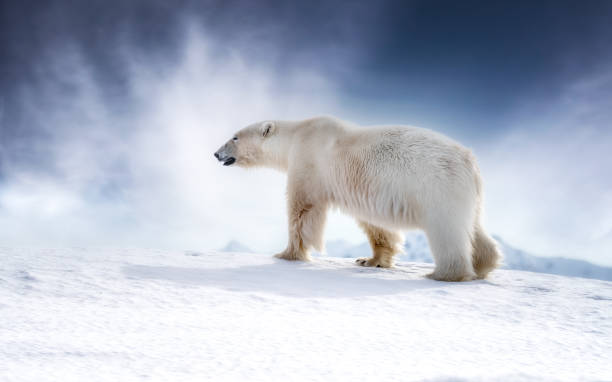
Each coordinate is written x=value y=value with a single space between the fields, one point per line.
x=145 y=175
x=548 y=179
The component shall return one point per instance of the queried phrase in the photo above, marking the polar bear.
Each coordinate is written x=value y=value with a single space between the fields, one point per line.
x=390 y=178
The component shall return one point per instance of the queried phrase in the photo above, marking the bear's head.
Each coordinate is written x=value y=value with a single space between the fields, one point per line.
x=250 y=146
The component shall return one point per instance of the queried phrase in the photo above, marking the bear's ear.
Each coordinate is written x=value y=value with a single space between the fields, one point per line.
x=267 y=128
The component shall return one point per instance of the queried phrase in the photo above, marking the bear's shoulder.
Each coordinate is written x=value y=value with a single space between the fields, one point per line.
x=322 y=121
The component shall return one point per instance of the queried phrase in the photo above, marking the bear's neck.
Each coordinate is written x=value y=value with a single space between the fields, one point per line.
x=277 y=152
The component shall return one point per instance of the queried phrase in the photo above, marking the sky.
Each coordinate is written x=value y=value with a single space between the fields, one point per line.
x=110 y=112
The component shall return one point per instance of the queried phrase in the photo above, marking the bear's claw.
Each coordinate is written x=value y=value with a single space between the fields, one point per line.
x=372 y=262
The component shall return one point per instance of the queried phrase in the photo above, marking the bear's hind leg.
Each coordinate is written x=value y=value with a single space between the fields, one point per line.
x=485 y=255
x=384 y=245
x=451 y=249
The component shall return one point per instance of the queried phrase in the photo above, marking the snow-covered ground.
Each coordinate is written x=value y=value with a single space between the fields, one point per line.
x=122 y=315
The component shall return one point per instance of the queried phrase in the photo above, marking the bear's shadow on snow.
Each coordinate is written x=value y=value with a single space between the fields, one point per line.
x=295 y=279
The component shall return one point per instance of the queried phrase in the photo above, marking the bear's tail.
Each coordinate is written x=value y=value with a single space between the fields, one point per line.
x=485 y=254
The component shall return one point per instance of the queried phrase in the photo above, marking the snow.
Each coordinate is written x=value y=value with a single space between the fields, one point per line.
x=133 y=314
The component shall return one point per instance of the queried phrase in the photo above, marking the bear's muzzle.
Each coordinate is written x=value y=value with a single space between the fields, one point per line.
x=227 y=160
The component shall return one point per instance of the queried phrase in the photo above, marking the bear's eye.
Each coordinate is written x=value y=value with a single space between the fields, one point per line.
x=235 y=139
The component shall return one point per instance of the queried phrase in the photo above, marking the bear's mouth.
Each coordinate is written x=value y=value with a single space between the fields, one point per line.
x=229 y=161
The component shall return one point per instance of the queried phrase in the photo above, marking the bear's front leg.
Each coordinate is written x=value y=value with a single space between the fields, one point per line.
x=306 y=223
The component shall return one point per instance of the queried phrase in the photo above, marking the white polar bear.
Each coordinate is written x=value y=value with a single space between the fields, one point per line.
x=389 y=178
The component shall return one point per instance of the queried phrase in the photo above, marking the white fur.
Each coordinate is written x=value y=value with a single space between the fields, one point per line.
x=390 y=178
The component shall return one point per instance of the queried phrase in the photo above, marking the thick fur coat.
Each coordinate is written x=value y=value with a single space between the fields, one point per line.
x=390 y=178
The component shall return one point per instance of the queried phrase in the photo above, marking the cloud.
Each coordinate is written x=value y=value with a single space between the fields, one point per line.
x=548 y=180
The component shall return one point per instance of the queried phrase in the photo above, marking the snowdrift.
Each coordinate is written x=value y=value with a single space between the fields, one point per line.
x=98 y=315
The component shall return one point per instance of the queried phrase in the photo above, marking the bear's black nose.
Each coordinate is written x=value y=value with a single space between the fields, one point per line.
x=217 y=155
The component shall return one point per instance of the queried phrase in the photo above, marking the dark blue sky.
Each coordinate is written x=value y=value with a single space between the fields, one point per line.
x=474 y=60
